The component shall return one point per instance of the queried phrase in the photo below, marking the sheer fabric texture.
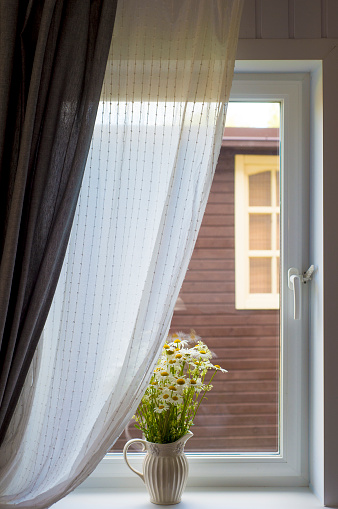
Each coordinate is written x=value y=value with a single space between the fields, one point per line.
x=155 y=145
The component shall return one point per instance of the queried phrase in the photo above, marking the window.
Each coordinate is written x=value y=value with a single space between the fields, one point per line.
x=241 y=413
x=257 y=214
x=290 y=460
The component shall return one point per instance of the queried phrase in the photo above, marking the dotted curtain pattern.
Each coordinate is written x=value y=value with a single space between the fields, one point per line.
x=154 y=150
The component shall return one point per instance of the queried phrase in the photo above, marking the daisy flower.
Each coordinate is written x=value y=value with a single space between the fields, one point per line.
x=176 y=389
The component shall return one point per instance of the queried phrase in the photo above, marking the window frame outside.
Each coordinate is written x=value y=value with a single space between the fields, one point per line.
x=244 y=298
x=289 y=467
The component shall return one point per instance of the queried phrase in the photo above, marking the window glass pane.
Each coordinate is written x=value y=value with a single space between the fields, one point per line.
x=260 y=275
x=240 y=414
x=259 y=231
x=260 y=189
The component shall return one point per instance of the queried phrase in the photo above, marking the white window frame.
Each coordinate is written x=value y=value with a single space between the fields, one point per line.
x=289 y=467
x=246 y=165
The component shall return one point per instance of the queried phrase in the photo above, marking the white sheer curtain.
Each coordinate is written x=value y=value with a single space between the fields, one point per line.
x=149 y=171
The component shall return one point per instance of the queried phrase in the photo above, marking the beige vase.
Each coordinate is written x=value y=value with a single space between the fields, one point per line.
x=165 y=469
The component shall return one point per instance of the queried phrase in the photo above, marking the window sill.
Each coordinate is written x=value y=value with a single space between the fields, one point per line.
x=208 y=471
x=195 y=498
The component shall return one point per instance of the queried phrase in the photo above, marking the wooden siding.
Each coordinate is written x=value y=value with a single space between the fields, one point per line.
x=289 y=19
x=241 y=412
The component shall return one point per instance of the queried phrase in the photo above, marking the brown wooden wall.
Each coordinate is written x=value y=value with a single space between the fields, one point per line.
x=241 y=413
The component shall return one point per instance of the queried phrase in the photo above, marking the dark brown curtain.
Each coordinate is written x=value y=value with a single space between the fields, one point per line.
x=53 y=56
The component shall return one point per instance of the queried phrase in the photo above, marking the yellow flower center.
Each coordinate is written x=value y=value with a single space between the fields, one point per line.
x=166 y=346
x=193 y=382
x=170 y=352
x=178 y=355
x=164 y=373
x=160 y=407
x=165 y=396
x=177 y=341
x=203 y=351
x=172 y=361
x=154 y=382
x=175 y=335
x=180 y=381
x=175 y=398
x=177 y=349
x=217 y=366
x=172 y=388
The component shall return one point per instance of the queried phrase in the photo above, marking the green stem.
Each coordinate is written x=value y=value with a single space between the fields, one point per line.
x=200 y=401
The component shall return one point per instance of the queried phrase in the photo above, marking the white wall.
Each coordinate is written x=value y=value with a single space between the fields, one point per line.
x=330 y=253
x=316 y=380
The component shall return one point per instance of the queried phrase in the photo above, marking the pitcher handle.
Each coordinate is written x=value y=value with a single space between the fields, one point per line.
x=125 y=449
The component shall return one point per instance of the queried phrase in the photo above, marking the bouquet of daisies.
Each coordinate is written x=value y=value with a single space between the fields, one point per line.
x=176 y=390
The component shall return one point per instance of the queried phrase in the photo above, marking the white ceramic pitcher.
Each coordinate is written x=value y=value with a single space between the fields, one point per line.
x=165 y=469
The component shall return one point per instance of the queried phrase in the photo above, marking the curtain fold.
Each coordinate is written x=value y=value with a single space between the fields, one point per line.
x=52 y=60
x=149 y=170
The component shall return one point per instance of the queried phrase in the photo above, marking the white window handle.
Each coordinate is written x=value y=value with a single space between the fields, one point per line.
x=295 y=285
x=295 y=281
